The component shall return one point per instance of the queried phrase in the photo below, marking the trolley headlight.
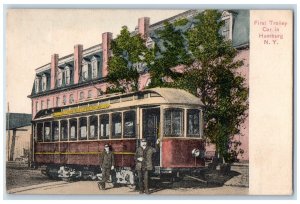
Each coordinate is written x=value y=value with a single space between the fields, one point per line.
x=195 y=152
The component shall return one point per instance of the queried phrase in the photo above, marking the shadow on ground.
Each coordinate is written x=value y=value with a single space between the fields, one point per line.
x=207 y=179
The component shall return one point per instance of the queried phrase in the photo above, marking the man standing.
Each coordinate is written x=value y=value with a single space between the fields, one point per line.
x=143 y=158
x=107 y=163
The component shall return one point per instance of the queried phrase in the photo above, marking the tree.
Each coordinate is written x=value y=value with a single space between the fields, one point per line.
x=214 y=78
x=128 y=51
x=210 y=73
x=171 y=52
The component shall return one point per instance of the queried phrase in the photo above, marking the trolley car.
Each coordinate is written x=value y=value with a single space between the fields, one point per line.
x=68 y=140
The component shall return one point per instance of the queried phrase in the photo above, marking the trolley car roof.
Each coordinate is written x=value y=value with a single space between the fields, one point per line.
x=154 y=96
x=172 y=95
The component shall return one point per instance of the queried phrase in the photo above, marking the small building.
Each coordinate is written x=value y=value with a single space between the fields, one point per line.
x=18 y=136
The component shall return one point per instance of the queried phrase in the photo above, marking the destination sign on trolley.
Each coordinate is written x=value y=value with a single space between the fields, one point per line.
x=80 y=110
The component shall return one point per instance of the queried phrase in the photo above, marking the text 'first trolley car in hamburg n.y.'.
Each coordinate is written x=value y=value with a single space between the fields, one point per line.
x=67 y=140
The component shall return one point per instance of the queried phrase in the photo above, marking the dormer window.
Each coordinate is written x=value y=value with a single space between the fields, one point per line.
x=59 y=78
x=85 y=71
x=94 y=68
x=67 y=75
x=44 y=82
x=37 y=84
x=227 y=28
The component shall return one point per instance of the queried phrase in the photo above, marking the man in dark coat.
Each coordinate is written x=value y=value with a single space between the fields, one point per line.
x=143 y=159
x=107 y=163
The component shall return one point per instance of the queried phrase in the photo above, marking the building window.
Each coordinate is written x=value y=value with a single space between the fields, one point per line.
x=116 y=125
x=90 y=94
x=148 y=82
x=100 y=92
x=42 y=105
x=73 y=129
x=227 y=28
x=149 y=43
x=81 y=95
x=94 y=68
x=64 y=130
x=129 y=124
x=64 y=100
x=37 y=84
x=83 y=128
x=173 y=123
x=48 y=103
x=85 y=72
x=93 y=127
x=36 y=106
x=71 y=99
x=104 y=126
x=59 y=78
x=67 y=75
x=193 y=123
x=57 y=101
x=44 y=82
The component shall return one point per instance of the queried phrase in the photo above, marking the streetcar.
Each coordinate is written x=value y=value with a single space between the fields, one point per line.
x=67 y=140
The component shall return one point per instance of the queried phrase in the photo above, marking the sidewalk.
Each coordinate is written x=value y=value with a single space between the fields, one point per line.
x=241 y=180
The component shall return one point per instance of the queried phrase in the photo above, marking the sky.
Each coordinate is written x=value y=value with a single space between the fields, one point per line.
x=33 y=35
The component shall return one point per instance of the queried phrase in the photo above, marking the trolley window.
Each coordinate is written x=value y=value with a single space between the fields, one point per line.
x=193 y=123
x=39 y=132
x=47 y=131
x=116 y=125
x=55 y=131
x=73 y=129
x=83 y=128
x=93 y=127
x=129 y=123
x=173 y=122
x=64 y=130
x=104 y=126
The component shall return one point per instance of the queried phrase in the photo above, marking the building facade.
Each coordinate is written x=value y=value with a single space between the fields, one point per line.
x=81 y=76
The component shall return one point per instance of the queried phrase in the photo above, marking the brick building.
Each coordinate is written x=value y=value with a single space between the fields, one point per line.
x=81 y=76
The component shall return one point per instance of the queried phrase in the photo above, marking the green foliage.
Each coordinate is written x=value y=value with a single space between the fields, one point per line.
x=181 y=22
x=172 y=53
x=214 y=78
x=210 y=73
x=128 y=50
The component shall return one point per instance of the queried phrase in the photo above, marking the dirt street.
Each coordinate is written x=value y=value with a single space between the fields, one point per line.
x=20 y=175
x=23 y=180
x=90 y=187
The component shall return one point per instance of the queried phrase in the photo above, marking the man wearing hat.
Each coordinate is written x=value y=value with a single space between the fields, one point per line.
x=107 y=163
x=143 y=158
